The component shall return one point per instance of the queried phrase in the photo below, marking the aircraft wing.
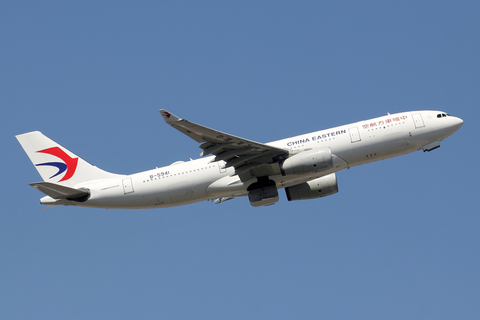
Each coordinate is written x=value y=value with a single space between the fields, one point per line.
x=249 y=158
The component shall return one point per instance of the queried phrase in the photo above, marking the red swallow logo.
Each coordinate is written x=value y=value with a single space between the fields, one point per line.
x=69 y=165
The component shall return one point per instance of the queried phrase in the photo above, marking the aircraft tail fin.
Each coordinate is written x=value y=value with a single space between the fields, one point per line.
x=56 y=164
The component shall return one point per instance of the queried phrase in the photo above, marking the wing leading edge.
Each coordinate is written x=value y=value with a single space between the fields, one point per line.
x=249 y=158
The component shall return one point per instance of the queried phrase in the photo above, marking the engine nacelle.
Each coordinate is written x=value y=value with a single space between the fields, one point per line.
x=317 y=188
x=263 y=196
x=308 y=161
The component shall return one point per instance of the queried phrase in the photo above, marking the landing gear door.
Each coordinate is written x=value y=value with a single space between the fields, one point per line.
x=417 y=118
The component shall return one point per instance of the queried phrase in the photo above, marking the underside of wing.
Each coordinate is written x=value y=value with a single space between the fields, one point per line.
x=249 y=158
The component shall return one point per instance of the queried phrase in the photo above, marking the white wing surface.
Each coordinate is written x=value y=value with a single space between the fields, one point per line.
x=249 y=158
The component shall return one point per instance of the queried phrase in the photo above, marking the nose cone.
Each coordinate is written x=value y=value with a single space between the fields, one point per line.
x=453 y=125
x=457 y=123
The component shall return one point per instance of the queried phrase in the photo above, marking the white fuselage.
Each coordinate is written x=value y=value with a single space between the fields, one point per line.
x=202 y=179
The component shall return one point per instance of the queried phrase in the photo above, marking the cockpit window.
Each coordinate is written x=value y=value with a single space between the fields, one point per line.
x=440 y=115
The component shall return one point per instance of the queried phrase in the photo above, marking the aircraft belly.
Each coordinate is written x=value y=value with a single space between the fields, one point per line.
x=180 y=190
x=394 y=142
x=227 y=186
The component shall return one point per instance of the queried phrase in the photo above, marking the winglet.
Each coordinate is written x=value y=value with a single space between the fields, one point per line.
x=168 y=116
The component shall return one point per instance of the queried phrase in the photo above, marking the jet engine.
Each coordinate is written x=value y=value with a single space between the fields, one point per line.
x=263 y=192
x=308 y=161
x=317 y=188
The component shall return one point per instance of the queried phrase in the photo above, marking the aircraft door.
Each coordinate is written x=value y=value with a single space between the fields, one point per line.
x=127 y=186
x=417 y=118
x=354 y=134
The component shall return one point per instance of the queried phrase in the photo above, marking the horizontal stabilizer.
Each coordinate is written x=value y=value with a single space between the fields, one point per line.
x=60 y=192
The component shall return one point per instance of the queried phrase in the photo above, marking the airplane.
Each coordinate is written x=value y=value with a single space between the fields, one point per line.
x=230 y=167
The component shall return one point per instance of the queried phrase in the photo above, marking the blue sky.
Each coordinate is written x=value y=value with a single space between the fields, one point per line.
x=399 y=241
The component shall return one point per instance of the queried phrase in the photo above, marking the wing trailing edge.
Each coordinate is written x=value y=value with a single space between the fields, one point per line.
x=248 y=158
